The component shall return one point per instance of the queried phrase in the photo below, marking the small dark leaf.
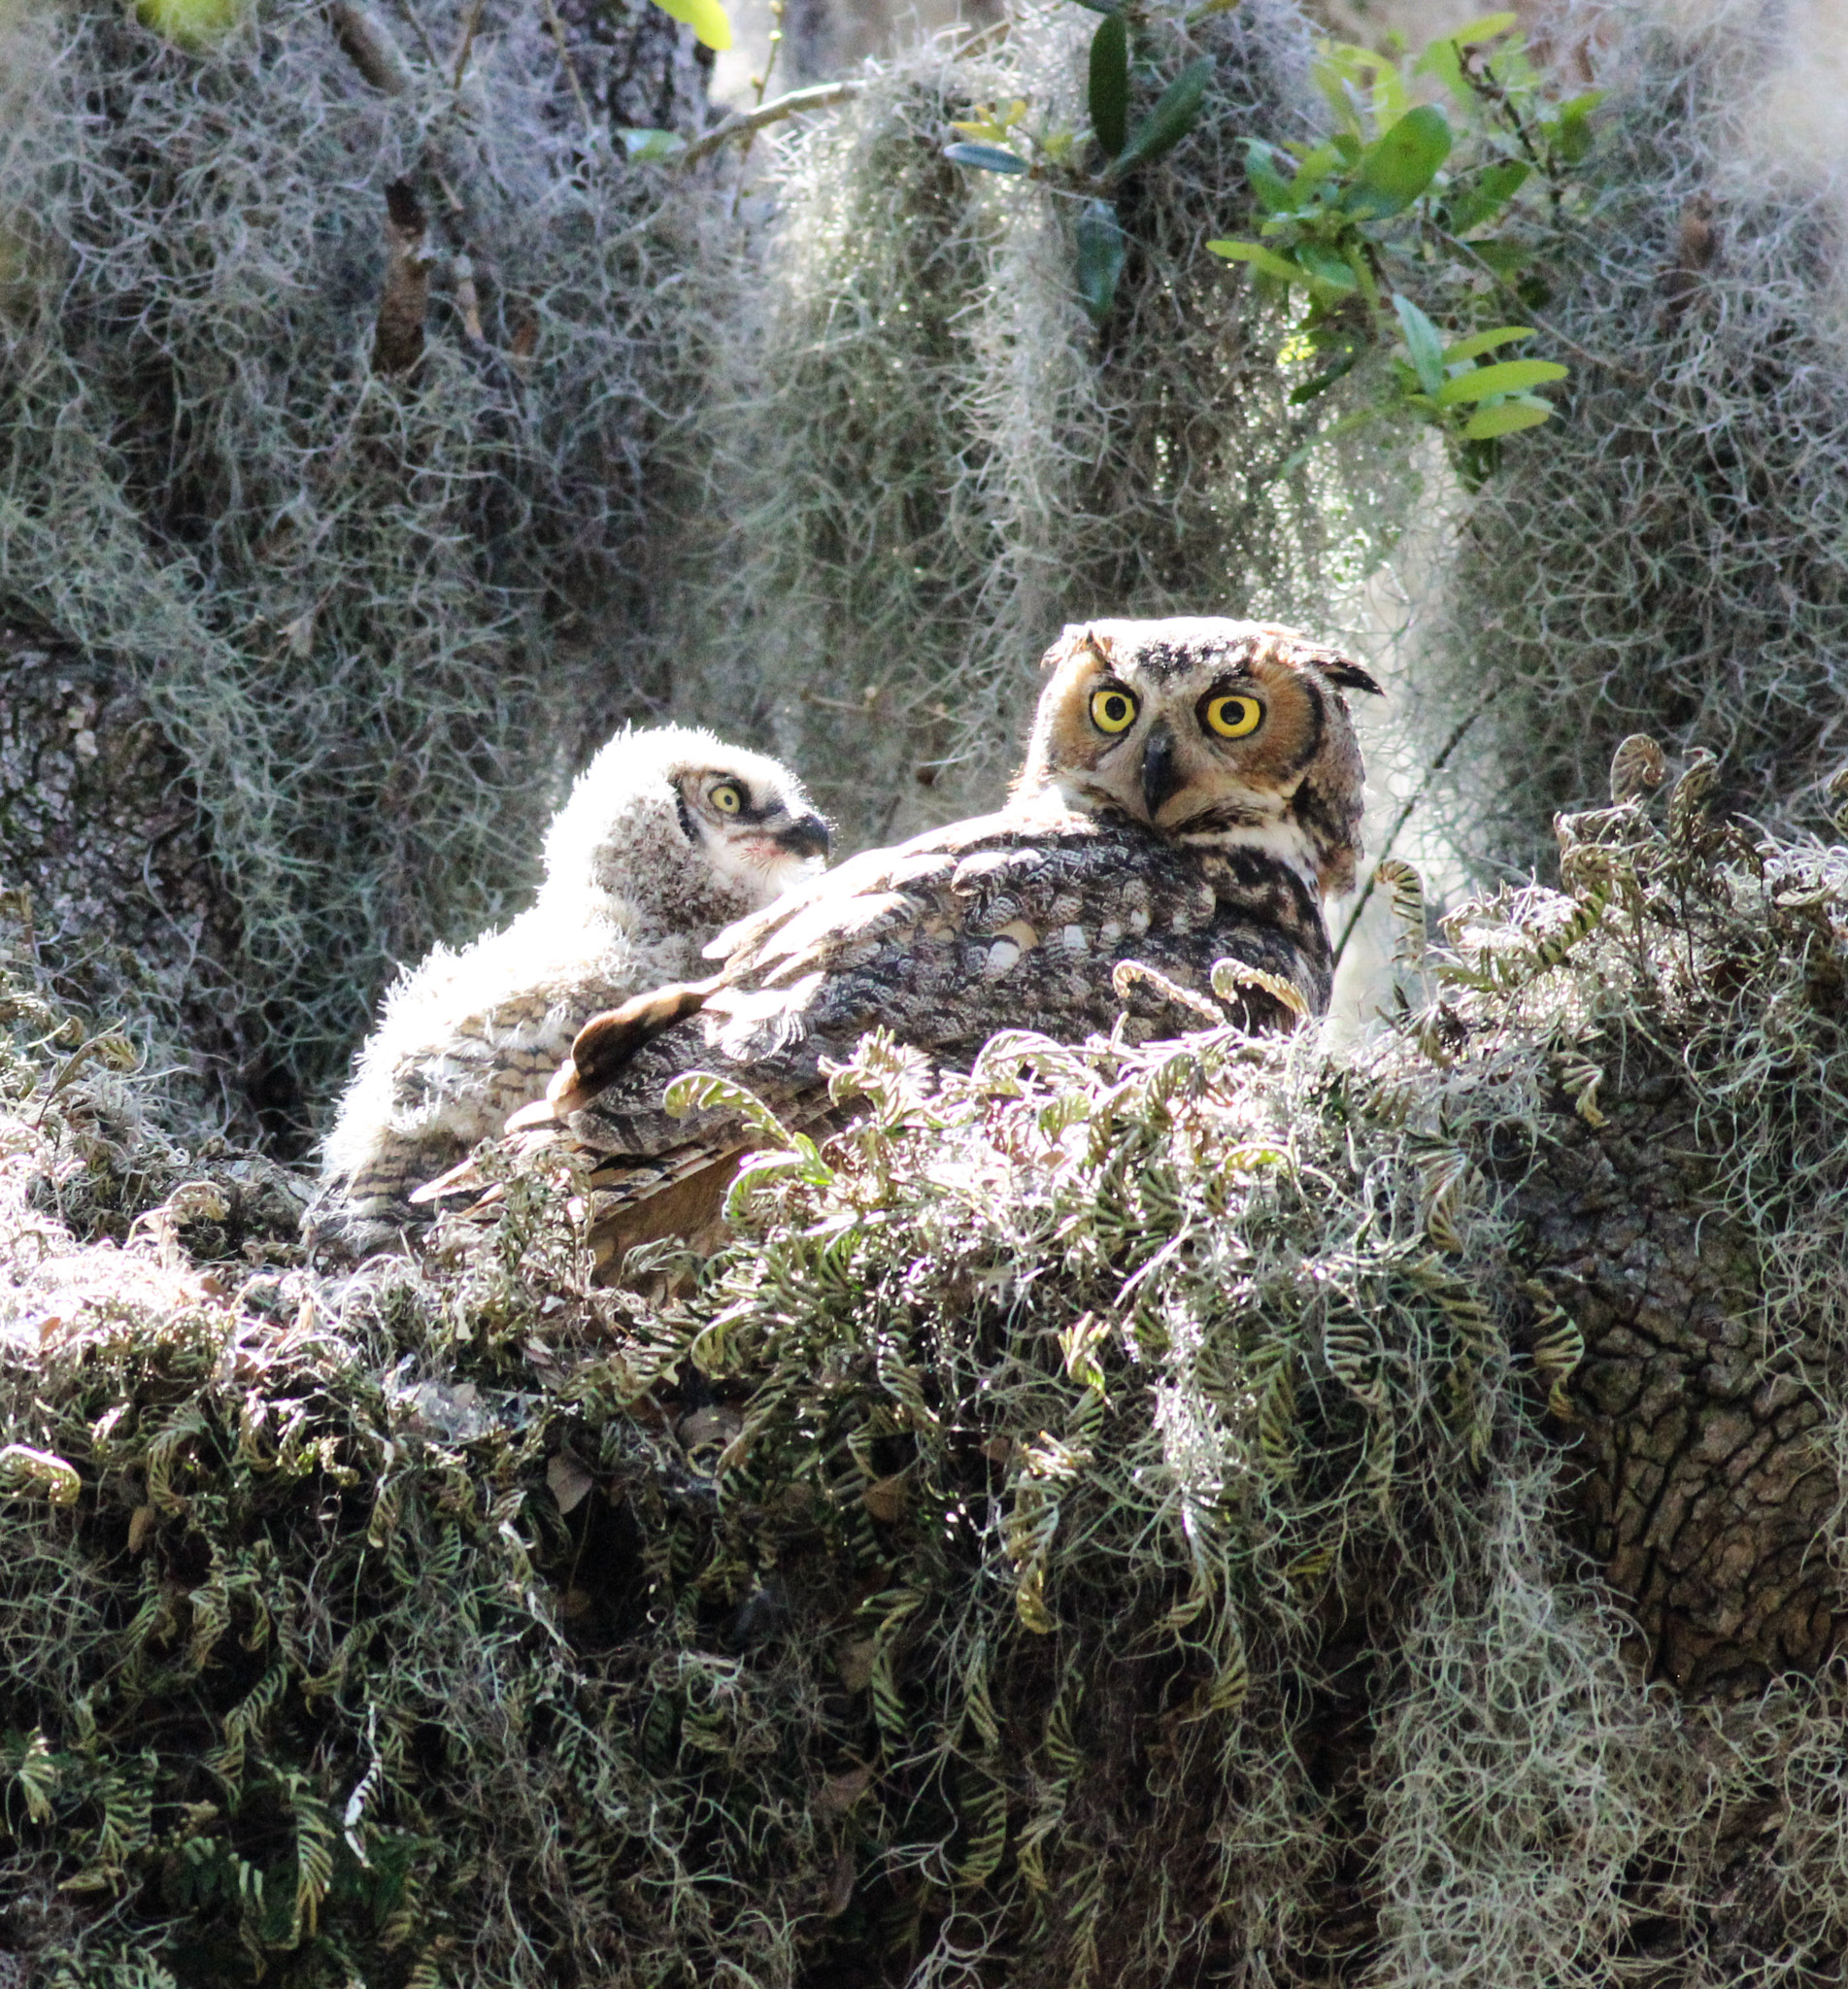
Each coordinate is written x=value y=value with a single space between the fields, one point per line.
x=1326 y=265
x=1310 y=390
x=1572 y=134
x=991 y=159
x=1176 y=113
x=1399 y=164
x=1101 y=258
x=1505 y=258
x=1495 y=186
x=1110 y=83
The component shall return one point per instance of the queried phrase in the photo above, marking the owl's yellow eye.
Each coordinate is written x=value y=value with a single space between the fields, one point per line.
x=1112 y=709
x=726 y=796
x=1232 y=718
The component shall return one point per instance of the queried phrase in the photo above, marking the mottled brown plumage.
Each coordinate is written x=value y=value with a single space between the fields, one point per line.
x=1191 y=790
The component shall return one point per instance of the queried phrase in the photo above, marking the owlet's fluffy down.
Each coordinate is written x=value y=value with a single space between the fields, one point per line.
x=668 y=836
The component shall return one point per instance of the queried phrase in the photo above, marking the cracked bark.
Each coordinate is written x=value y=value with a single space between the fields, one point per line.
x=113 y=902
x=1704 y=1484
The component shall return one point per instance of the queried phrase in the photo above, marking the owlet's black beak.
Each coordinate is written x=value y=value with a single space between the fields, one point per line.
x=1160 y=775
x=805 y=836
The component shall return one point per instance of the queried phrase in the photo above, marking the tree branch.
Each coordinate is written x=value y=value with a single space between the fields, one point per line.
x=741 y=124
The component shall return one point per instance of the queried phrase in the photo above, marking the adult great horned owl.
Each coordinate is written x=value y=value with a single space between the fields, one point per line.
x=1191 y=790
x=667 y=835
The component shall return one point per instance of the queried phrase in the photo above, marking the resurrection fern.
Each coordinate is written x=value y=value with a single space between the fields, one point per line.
x=1105 y=1518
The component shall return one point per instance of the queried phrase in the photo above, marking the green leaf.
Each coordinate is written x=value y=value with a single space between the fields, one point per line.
x=1269 y=185
x=1484 y=30
x=1571 y=127
x=1101 y=258
x=1399 y=164
x=1176 y=113
x=1443 y=60
x=1511 y=376
x=1479 y=342
x=191 y=23
x=651 y=145
x=1346 y=423
x=1110 y=83
x=1506 y=418
x=1315 y=168
x=707 y=18
x=1310 y=390
x=1423 y=342
x=1495 y=186
x=1359 y=84
x=1326 y=266
x=988 y=158
x=1260 y=258
x=1506 y=259
x=1100 y=6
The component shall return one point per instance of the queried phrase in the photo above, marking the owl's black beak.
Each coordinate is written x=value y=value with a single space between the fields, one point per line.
x=805 y=836
x=1161 y=776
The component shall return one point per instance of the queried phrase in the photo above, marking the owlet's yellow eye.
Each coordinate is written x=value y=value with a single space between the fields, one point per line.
x=726 y=796
x=1233 y=717
x=1113 y=708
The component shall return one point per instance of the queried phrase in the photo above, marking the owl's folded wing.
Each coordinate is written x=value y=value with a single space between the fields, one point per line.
x=998 y=924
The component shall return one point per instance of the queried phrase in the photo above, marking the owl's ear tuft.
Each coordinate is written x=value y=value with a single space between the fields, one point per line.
x=1076 y=636
x=1346 y=673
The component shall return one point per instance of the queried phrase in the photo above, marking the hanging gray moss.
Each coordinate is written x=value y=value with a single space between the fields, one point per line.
x=1670 y=554
x=923 y=458
x=833 y=472
x=381 y=618
x=847 y=541
x=1127 y=1514
x=1150 y=461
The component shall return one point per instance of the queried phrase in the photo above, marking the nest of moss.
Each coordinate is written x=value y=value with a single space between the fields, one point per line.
x=1123 y=1515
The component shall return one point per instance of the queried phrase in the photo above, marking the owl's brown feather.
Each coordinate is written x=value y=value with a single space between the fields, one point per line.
x=1018 y=919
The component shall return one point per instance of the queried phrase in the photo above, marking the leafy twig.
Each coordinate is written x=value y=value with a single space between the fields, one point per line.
x=1611 y=366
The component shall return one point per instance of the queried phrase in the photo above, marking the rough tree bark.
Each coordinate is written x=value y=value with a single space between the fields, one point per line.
x=1703 y=1490
x=113 y=903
